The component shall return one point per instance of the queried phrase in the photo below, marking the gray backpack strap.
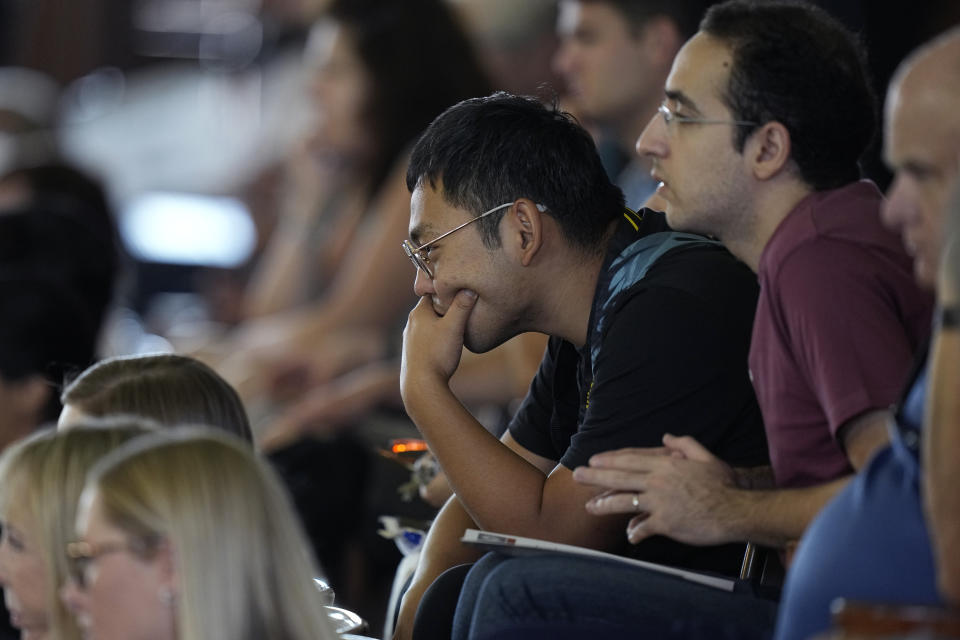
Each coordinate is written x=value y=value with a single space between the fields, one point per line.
x=629 y=268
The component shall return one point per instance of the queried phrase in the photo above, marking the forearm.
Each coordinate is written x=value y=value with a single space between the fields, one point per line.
x=754 y=477
x=941 y=449
x=775 y=517
x=276 y=280
x=441 y=550
x=498 y=488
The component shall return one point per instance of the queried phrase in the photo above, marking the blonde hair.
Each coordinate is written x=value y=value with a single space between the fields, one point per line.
x=245 y=570
x=41 y=478
x=168 y=388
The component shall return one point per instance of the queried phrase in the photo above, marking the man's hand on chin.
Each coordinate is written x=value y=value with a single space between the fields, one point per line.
x=432 y=344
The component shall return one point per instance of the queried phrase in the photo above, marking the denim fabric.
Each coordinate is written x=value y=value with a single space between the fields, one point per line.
x=551 y=596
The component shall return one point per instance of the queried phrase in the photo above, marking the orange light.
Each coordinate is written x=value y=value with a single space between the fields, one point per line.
x=407 y=445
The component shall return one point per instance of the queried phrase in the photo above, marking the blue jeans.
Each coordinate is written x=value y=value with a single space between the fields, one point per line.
x=557 y=596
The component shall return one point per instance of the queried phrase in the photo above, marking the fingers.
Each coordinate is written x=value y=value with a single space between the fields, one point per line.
x=423 y=304
x=455 y=318
x=640 y=528
x=615 y=479
x=459 y=310
x=638 y=459
x=687 y=447
x=618 y=503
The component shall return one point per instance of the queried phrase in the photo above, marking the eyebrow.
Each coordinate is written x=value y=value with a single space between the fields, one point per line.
x=418 y=232
x=682 y=98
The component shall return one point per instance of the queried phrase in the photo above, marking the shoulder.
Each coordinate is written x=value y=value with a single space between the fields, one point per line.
x=702 y=270
x=824 y=265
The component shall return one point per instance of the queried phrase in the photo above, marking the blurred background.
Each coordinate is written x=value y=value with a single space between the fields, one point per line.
x=185 y=109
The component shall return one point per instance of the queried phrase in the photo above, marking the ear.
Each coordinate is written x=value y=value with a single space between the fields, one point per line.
x=524 y=231
x=661 y=40
x=768 y=150
x=165 y=562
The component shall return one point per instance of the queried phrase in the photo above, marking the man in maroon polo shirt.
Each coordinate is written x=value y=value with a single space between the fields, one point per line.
x=752 y=148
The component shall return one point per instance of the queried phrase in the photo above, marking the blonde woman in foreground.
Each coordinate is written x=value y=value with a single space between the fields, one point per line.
x=40 y=482
x=188 y=535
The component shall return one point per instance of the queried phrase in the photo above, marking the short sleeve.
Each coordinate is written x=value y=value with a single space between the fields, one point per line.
x=551 y=399
x=845 y=327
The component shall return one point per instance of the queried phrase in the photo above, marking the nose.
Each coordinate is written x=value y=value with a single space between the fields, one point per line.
x=423 y=284
x=563 y=59
x=653 y=141
x=899 y=203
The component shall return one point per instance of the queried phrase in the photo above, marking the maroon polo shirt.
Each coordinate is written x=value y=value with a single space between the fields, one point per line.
x=837 y=323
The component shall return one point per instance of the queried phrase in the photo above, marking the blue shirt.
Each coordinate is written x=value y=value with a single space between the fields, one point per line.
x=870 y=543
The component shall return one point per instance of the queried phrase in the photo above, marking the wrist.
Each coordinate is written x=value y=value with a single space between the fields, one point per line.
x=751 y=478
x=420 y=389
x=736 y=520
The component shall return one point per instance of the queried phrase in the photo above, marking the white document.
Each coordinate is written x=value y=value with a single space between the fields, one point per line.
x=518 y=545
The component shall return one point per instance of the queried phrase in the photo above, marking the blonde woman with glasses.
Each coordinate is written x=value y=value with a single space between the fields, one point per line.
x=40 y=482
x=188 y=535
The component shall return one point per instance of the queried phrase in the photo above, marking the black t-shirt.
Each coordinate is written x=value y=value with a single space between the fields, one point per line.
x=673 y=358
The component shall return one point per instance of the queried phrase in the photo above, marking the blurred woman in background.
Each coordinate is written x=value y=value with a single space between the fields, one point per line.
x=332 y=288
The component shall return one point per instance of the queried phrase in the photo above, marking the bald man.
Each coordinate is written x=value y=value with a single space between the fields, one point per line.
x=872 y=542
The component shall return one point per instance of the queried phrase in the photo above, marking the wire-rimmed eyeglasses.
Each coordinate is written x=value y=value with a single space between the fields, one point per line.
x=82 y=554
x=669 y=115
x=422 y=261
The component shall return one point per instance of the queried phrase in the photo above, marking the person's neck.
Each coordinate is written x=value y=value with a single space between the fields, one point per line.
x=769 y=209
x=567 y=296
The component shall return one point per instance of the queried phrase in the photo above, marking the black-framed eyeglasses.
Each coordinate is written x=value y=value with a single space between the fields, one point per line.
x=82 y=554
x=669 y=115
x=422 y=261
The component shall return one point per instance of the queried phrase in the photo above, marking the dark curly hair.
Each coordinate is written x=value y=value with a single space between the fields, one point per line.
x=795 y=64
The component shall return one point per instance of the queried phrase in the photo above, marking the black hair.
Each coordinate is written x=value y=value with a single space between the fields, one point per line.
x=64 y=232
x=45 y=330
x=421 y=62
x=52 y=241
x=795 y=64
x=685 y=14
x=488 y=151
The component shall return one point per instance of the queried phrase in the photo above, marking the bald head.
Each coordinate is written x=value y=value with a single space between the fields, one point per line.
x=930 y=79
x=922 y=143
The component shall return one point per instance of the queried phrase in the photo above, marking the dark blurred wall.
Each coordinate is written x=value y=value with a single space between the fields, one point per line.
x=66 y=38
x=891 y=29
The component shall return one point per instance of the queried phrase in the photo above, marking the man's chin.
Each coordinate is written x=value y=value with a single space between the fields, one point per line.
x=482 y=344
